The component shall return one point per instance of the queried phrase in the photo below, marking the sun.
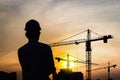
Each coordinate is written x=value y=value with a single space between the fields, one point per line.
x=71 y=65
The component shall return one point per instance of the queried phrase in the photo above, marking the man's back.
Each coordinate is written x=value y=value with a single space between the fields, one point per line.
x=36 y=60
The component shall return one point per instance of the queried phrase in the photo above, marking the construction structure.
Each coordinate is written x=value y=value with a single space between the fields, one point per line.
x=74 y=61
x=68 y=74
x=87 y=41
x=108 y=69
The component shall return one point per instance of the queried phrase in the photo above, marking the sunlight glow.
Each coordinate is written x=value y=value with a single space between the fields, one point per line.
x=70 y=66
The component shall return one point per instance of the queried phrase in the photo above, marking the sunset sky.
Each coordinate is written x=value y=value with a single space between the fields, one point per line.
x=60 y=19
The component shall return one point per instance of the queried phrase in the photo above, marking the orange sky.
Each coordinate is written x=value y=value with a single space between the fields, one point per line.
x=60 y=19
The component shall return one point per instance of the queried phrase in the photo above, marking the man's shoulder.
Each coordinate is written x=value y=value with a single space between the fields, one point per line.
x=38 y=44
x=44 y=44
x=22 y=47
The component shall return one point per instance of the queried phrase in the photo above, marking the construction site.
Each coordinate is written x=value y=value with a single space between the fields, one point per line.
x=67 y=73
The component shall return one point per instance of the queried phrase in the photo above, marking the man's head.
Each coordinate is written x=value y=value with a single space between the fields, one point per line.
x=32 y=28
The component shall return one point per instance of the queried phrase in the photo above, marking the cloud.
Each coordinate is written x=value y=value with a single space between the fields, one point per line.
x=53 y=15
x=58 y=18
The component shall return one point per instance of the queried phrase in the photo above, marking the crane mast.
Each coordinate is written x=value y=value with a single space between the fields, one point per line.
x=108 y=68
x=88 y=48
x=88 y=56
x=68 y=62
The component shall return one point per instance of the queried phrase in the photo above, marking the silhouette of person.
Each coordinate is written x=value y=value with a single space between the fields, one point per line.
x=36 y=58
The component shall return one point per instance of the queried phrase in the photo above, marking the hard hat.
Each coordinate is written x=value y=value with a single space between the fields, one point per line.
x=32 y=26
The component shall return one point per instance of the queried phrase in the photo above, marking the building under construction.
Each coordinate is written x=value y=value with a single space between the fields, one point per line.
x=68 y=74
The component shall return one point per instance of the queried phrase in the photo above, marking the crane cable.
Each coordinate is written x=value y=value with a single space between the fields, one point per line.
x=96 y=33
x=78 y=34
x=71 y=36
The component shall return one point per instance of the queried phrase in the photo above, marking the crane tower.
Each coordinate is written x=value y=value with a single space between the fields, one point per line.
x=106 y=67
x=88 y=48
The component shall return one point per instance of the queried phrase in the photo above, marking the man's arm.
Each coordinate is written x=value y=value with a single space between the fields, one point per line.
x=51 y=62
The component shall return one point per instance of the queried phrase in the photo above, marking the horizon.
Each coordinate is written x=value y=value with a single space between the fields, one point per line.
x=60 y=19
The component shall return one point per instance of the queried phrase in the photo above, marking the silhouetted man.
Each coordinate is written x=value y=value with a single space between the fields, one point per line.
x=36 y=58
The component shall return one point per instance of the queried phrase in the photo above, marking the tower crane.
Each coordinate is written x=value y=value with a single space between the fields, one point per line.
x=108 y=68
x=68 y=61
x=88 y=48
